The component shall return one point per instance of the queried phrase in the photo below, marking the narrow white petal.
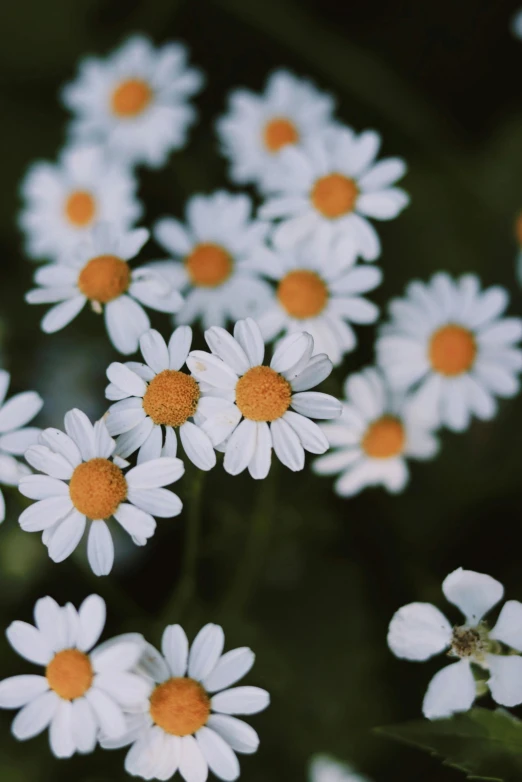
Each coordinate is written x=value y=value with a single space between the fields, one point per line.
x=152 y=446
x=450 y=691
x=287 y=445
x=92 y=615
x=80 y=429
x=127 y=689
x=318 y=369
x=45 y=513
x=43 y=459
x=259 y=464
x=218 y=754
x=126 y=321
x=154 y=350
x=109 y=715
x=36 y=716
x=210 y=369
x=158 y=502
x=197 y=445
x=418 y=631
x=62 y=314
x=84 y=726
x=248 y=335
x=103 y=442
x=473 y=593
x=19 y=410
x=121 y=654
x=17 y=443
x=152 y=665
x=241 y=736
x=156 y=473
x=62 y=444
x=240 y=447
x=66 y=536
x=241 y=700
x=179 y=346
x=229 y=669
x=135 y=521
x=51 y=621
x=291 y=351
x=125 y=379
x=192 y=765
x=61 y=733
x=41 y=487
x=19 y=690
x=175 y=648
x=205 y=651
x=100 y=548
x=134 y=438
x=311 y=437
x=223 y=345
x=314 y=404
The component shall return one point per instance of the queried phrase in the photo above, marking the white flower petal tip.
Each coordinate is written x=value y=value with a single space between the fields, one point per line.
x=418 y=631
x=473 y=593
x=451 y=690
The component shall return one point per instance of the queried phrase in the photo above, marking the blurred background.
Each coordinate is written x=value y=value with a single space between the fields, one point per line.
x=309 y=580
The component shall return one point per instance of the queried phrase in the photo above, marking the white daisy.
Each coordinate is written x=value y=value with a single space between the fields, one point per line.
x=187 y=725
x=161 y=396
x=375 y=435
x=84 y=483
x=246 y=405
x=135 y=102
x=63 y=201
x=97 y=271
x=447 y=343
x=419 y=631
x=84 y=691
x=210 y=251
x=15 y=435
x=257 y=127
x=332 y=184
x=325 y=769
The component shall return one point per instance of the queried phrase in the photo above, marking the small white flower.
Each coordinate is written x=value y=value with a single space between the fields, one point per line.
x=97 y=271
x=449 y=345
x=84 y=691
x=65 y=200
x=325 y=769
x=419 y=631
x=257 y=127
x=84 y=483
x=160 y=396
x=332 y=184
x=246 y=405
x=212 y=253
x=135 y=102
x=187 y=725
x=375 y=435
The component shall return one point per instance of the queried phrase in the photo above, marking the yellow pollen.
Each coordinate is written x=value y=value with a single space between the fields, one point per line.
x=452 y=350
x=131 y=98
x=80 y=208
x=384 y=438
x=334 y=195
x=104 y=278
x=69 y=674
x=302 y=293
x=518 y=229
x=262 y=394
x=180 y=706
x=171 y=398
x=278 y=133
x=209 y=265
x=97 y=487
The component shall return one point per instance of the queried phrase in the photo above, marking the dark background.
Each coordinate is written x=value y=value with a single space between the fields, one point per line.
x=310 y=581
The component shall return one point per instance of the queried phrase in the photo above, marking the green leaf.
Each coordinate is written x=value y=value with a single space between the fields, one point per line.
x=484 y=744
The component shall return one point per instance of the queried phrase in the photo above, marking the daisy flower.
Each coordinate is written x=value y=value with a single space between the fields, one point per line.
x=82 y=482
x=332 y=184
x=63 y=201
x=257 y=127
x=210 y=251
x=186 y=725
x=15 y=435
x=155 y=397
x=419 y=631
x=374 y=437
x=325 y=769
x=135 y=102
x=84 y=691
x=449 y=345
x=246 y=405
x=97 y=271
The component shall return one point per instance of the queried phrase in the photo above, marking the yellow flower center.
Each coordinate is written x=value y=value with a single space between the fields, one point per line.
x=209 y=265
x=69 y=674
x=334 y=195
x=97 y=487
x=171 y=398
x=131 y=98
x=278 y=133
x=262 y=394
x=104 y=278
x=302 y=293
x=80 y=208
x=384 y=438
x=452 y=350
x=180 y=706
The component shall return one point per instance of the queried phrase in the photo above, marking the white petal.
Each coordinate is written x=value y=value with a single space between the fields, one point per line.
x=152 y=664
x=241 y=700
x=80 y=429
x=126 y=321
x=205 y=651
x=451 y=690
x=45 y=513
x=505 y=683
x=43 y=459
x=508 y=628
x=100 y=548
x=259 y=464
x=135 y=521
x=19 y=410
x=218 y=754
x=51 y=621
x=60 y=732
x=154 y=350
x=61 y=443
x=287 y=445
x=19 y=690
x=248 y=334
x=291 y=351
x=103 y=442
x=41 y=487
x=66 y=536
x=158 y=502
x=318 y=369
x=314 y=404
x=131 y=243
x=192 y=765
x=311 y=437
x=223 y=345
x=18 y=442
x=127 y=689
x=36 y=716
x=156 y=473
x=126 y=379
x=92 y=615
x=230 y=668
x=119 y=654
x=172 y=236
x=418 y=631
x=210 y=369
x=197 y=446
x=241 y=736
x=62 y=314
x=152 y=446
x=179 y=346
x=84 y=726
x=134 y=438
x=108 y=713
x=240 y=447
x=473 y=593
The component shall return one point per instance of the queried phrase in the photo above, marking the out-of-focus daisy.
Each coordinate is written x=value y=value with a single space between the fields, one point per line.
x=82 y=482
x=374 y=437
x=448 y=343
x=247 y=410
x=516 y=24
x=332 y=184
x=211 y=250
x=160 y=396
x=419 y=631
x=65 y=200
x=187 y=725
x=325 y=769
x=258 y=126
x=97 y=271
x=84 y=691
x=135 y=101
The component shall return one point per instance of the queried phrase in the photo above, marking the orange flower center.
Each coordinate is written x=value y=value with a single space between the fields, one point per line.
x=278 y=133
x=171 y=398
x=452 y=350
x=69 y=674
x=180 y=706
x=97 y=487
x=334 y=195
x=131 y=98
x=104 y=278
x=209 y=265
x=80 y=208
x=262 y=394
x=302 y=293
x=384 y=438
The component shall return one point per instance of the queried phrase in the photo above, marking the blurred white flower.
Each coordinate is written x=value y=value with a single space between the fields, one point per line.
x=325 y=769
x=516 y=24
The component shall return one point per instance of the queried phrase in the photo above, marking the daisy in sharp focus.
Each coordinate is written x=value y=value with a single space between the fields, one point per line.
x=186 y=725
x=135 y=102
x=419 y=631
x=332 y=184
x=246 y=405
x=82 y=482
x=375 y=435
x=97 y=271
x=325 y=769
x=448 y=345
x=83 y=691
x=65 y=200
x=257 y=127
x=212 y=252
x=161 y=398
